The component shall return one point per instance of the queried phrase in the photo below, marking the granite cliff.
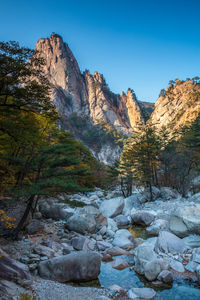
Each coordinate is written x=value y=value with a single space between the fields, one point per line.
x=84 y=93
x=179 y=104
x=88 y=99
x=99 y=117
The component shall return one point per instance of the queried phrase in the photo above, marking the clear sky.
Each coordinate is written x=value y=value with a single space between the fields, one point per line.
x=134 y=43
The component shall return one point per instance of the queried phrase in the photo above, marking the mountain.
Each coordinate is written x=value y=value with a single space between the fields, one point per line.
x=100 y=118
x=180 y=103
x=85 y=102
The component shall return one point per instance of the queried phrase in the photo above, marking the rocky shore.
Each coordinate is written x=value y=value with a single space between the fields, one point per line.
x=69 y=240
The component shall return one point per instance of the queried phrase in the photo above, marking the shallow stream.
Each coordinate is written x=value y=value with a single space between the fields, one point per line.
x=127 y=278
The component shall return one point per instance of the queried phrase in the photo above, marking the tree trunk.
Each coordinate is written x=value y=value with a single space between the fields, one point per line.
x=20 y=225
x=150 y=191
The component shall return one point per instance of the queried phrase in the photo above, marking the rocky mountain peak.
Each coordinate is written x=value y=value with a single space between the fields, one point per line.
x=63 y=72
x=179 y=104
x=85 y=94
x=134 y=111
x=99 y=77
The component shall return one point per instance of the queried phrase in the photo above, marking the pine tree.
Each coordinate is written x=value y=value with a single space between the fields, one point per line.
x=142 y=154
x=26 y=111
x=54 y=170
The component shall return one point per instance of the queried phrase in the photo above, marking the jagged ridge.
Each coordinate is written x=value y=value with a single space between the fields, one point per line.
x=178 y=105
x=83 y=93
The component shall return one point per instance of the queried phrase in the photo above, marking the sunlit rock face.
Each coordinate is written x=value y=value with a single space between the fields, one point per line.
x=105 y=105
x=85 y=94
x=63 y=72
x=134 y=112
x=89 y=97
x=179 y=105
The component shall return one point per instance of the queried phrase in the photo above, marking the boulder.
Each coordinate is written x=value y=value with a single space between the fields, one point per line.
x=141 y=293
x=44 y=251
x=53 y=245
x=151 y=242
x=177 y=266
x=156 y=227
x=116 y=251
x=122 y=221
x=153 y=268
x=116 y=288
x=156 y=192
x=143 y=218
x=100 y=219
x=110 y=233
x=10 y=290
x=191 y=266
x=81 y=266
x=196 y=255
x=167 y=242
x=196 y=185
x=67 y=248
x=169 y=193
x=106 y=257
x=144 y=253
x=12 y=270
x=38 y=215
x=78 y=242
x=147 y=196
x=113 y=207
x=120 y=264
x=123 y=239
x=192 y=241
x=165 y=276
x=89 y=245
x=130 y=202
x=101 y=245
x=103 y=230
x=52 y=210
x=34 y=226
x=88 y=219
x=198 y=273
x=138 y=241
x=112 y=225
x=185 y=220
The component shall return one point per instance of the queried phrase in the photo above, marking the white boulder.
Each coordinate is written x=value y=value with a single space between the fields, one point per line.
x=113 y=207
x=167 y=242
x=185 y=220
x=123 y=239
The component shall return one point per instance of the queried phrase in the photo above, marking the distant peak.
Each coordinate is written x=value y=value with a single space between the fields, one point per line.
x=98 y=77
x=131 y=93
x=55 y=35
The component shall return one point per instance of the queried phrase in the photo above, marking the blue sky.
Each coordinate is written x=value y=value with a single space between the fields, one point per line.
x=137 y=44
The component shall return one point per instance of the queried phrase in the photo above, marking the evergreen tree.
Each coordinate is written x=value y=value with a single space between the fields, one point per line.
x=142 y=153
x=55 y=169
x=36 y=159
x=26 y=111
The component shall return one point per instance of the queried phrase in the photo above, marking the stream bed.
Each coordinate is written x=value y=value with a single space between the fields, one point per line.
x=180 y=290
x=128 y=278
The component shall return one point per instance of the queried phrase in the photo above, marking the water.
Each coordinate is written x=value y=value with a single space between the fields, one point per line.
x=124 y=278
x=139 y=232
x=128 y=278
x=182 y=290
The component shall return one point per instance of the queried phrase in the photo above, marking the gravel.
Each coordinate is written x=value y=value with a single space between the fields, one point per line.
x=51 y=290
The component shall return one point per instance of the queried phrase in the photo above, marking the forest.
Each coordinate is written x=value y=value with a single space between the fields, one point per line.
x=38 y=159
